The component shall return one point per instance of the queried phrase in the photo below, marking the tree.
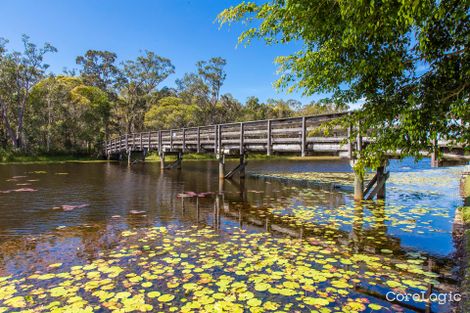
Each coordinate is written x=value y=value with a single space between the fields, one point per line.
x=254 y=110
x=315 y=108
x=171 y=112
x=213 y=75
x=281 y=108
x=98 y=69
x=67 y=115
x=408 y=60
x=140 y=79
x=228 y=109
x=19 y=72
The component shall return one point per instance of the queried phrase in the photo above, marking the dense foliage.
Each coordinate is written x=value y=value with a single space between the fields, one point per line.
x=76 y=111
x=408 y=61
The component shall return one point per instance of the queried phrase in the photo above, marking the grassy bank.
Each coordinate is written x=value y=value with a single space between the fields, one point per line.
x=251 y=157
x=12 y=158
x=17 y=159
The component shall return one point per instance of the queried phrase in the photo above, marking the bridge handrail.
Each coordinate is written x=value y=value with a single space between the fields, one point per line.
x=319 y=116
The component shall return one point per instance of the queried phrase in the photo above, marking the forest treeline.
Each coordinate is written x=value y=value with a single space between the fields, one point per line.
x=77 y=110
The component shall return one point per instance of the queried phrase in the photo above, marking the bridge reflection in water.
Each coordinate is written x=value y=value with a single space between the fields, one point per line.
x=236 y=206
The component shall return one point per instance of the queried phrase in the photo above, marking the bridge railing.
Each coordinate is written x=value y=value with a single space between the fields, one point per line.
x=296 y=134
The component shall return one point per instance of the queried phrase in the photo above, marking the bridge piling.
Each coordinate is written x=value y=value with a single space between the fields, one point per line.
x=221 y=158
x=435 y=154
x=162 y=160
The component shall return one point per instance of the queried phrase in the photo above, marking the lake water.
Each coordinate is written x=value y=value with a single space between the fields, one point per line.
x=113 y=237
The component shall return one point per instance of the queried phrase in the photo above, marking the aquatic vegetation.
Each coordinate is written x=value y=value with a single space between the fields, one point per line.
x=200 y=270
x=335 y=179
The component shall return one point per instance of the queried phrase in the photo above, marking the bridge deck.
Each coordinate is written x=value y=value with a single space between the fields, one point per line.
x=296 y=135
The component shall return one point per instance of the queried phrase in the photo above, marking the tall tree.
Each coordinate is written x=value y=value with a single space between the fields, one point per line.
x=171 y=112
x=140 y=79
x=67 y=115
x=213 y=74
x=19 y=72
x=409 y=61
x=98 y=68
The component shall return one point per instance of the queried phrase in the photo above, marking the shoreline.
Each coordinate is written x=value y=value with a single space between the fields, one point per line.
x=46 y=159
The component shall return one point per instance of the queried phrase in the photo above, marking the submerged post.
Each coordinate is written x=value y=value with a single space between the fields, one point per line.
x=242 y=166
x=221 y=158
x=380 y=179
x=179 y=160
x=129 y=156
x=358 y=177
x=358 y=186
x=162 y=160
x=435 y=154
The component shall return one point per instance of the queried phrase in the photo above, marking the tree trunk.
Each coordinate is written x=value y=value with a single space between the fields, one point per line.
x=8 y=128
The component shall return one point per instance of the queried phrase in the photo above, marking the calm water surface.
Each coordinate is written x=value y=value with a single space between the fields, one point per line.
x=75 y=213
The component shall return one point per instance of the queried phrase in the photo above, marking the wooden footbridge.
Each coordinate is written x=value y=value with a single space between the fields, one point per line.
x=297 y=135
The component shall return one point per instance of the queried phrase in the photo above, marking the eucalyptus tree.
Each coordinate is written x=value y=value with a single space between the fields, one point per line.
x=98 y=68
x=19 y=72
x=140 y=79
x=408 y=61
x=67 y=115
x=213 y=74
x=171 y=112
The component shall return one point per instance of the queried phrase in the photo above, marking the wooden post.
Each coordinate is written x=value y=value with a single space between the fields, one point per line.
x=358 y=179
x=171 y=140
x=350 y=143
x=219 y=138
x=198 y=148
x=184 y=139
x=179 y=160
x=149 y=140
x=127 y=142
x=222 y=166
x=268 y=147
x=242 y=145
x=435 y=154
x=141 y=142
x=133 y=141
x=380 y=178
x=242 y=166
x=160 y=144
x=129 y=157
x=304 y=136
x=216 y=130
x=162 y=160
x=358 y=187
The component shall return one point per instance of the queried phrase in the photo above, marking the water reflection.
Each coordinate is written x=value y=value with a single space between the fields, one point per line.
x=35 y=235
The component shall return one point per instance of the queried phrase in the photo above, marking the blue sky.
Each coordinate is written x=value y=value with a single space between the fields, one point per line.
x=183 y=30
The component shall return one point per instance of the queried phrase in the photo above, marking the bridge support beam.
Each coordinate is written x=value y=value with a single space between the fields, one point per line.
x=358 y=187
x=162 y=161
x=221 y=158
x=435 y=154
x=381 y=180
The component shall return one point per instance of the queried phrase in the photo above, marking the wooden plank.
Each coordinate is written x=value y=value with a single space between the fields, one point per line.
x=184 y=139
x=303 y=136
x=268 y=145
x=198 y=140
x=216 y=131
x=242 y=147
